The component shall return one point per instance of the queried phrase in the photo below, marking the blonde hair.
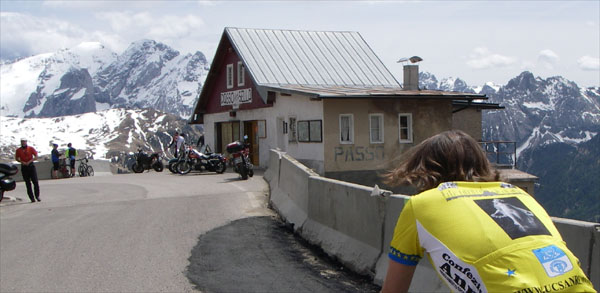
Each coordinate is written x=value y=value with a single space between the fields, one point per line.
x=449 y=156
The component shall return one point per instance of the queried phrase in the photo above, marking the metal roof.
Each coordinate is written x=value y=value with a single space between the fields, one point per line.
x=332 y=92
x=317 y=58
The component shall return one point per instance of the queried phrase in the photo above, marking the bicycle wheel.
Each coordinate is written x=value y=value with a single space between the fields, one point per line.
x=81 y=171
x=90 y=171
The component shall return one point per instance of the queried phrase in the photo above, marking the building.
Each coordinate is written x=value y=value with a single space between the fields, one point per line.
x=326 y=99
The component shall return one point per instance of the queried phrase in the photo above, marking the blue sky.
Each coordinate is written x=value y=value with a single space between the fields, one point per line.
x=478 y=41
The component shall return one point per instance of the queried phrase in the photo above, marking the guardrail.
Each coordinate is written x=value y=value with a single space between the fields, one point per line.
x=356 y=228
x=500 y=153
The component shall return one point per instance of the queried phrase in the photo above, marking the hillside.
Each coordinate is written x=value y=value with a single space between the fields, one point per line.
x=109 y=134
x=569 y=184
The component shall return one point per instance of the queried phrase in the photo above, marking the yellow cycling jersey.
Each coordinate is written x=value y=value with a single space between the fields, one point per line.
x=486 y=237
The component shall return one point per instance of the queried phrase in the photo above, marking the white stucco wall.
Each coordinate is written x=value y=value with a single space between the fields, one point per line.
x=284 y=107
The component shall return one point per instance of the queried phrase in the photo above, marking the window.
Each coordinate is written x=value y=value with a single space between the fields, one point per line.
x=376 y=128
x=292 y=132
x=346 y=128
x=405 y=127
x=229 y=76
x=241 y=71
x=310 y=131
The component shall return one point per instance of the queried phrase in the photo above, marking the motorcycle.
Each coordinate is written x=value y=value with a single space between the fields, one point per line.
x=172 y=165
x=241 y=159
x=194 y=160
x=143 y=161
x=6 y=182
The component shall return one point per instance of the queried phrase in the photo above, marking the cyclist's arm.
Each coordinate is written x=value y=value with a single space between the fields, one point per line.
x=398 y=277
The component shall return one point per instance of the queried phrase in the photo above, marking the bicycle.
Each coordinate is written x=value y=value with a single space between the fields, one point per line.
x=84 y=169
x=63 y=170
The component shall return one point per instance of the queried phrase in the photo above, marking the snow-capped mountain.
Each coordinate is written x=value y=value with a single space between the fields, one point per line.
x=555 y=124
x=538 y=112
x=89 y=77
x=541 y=112
x=107 y=134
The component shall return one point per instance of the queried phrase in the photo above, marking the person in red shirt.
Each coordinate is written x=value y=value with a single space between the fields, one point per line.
x=26 y=155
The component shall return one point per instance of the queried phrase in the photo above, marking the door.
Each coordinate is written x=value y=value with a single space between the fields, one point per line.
x=227 y=132
x=251 y=130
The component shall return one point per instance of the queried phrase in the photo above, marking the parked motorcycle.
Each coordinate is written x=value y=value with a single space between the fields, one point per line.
x=143 y=161
x=6 y=182
x=172 y=166
x=241 y=159
x=198 y=161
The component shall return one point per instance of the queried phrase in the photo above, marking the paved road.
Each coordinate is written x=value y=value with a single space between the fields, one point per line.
x=154 y=232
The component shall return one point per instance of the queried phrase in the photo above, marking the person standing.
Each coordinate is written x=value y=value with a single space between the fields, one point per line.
x=26 y=155
x=55 y=160
x=181 y=144
x=71 y=153
x=481 y=234
x=174 y=143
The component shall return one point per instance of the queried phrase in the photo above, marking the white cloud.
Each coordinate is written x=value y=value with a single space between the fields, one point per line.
x=206 y=3
x=548 y=58
x=144 y=25
x=482 y=58
x=24 y=35
x=589 y=63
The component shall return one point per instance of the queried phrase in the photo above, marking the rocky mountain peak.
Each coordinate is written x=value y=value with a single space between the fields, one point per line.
x=148 y=74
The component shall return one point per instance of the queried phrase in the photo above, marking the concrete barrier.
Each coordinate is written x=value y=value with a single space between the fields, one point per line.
x=355 y=228
x=583 y=239
x=290 y=195
x=343 y=220
x=272 y=171
x=44 y=169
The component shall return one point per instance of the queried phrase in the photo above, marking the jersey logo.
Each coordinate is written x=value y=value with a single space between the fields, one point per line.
x=513 y=217
x=554 y=260
x=447 y=185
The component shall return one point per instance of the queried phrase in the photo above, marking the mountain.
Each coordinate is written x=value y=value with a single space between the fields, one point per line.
x=540 y=112
x=555 y=125
x=109 y=134
x=569 y=177
x=89 y=77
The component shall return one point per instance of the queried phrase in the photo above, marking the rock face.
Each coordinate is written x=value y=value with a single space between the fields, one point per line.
x=541 y=112
x=89 y=78
x=555 y=124
x=109 y=134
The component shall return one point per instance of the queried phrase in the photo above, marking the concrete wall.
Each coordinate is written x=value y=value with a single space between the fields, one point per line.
x=429 y=117
x=356 y=228
x=43 y=168
x=469 y=121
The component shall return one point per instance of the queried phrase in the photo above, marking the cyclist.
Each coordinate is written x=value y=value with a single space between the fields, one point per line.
x=55 y=160
x=71 y=153
x=481 y=235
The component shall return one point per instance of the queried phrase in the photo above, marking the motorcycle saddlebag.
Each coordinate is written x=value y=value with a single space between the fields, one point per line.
x=7 y=184
x=8 y=169
x=235 y=147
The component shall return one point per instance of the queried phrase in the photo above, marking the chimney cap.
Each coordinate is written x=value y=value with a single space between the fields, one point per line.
x=413 y=59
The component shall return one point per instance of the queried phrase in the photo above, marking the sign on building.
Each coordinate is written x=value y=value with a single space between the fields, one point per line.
x=235 y=98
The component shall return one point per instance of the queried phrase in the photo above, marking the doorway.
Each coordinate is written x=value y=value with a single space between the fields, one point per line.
x=251 y=130
x=227 y=132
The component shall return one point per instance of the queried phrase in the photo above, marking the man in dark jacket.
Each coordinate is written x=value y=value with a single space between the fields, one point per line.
x=55 y=160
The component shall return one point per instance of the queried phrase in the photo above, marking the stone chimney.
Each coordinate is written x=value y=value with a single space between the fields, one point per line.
x=411 y=77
